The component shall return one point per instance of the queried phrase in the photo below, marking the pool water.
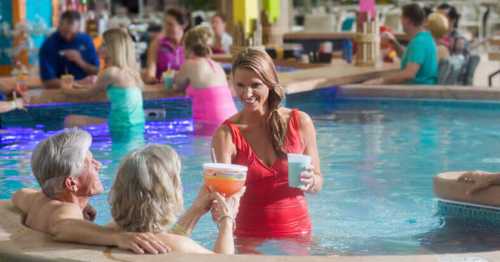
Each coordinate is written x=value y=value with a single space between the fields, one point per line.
x=378 y=158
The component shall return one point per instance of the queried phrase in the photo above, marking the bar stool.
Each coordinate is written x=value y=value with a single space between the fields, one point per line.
x=494 y=56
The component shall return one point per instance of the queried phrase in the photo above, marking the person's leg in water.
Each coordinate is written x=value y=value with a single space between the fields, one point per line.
x=81 y=120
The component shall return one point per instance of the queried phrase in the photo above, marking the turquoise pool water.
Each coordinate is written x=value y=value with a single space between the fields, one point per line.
x=378 y=158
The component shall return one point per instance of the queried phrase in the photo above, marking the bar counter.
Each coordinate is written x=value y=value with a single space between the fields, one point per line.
x=300 y=80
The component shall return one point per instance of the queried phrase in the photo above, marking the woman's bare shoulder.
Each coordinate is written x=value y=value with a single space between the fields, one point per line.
x=111 y=72
x=182 y=244
x=235 y=118
x=285 y=113
x=224 y=129
x=305 y=119
x=306 y=124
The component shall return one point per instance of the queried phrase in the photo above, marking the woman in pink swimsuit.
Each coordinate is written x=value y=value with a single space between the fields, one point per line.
x=205 y=83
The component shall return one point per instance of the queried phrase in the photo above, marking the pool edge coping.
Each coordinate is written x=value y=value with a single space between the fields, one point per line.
x=21 y=243
x=458 y=93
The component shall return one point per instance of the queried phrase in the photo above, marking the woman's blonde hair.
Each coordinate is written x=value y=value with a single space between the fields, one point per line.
x=437 y=24
x=199 y=40
x=262 y=64
x=146 y=195
x=121 y=51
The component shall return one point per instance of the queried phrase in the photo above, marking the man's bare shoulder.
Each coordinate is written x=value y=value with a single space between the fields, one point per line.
x=63 y=210
x=46 y=212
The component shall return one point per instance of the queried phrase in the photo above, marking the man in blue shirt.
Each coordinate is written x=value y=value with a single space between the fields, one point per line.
x=67 y=51
x=419 y=62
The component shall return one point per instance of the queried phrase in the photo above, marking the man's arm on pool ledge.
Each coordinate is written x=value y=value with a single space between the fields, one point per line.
x=67 y=225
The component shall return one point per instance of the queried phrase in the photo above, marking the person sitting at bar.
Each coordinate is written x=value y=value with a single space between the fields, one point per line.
x=67 y=51
x=419 y=64
x=223 y=40
x=204 y=81
x=456 y=42
x=120 y=80
x=437 y=24
x=166 y=51
x=120 y=19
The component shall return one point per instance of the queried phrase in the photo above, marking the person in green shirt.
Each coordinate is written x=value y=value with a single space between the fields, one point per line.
x=419 y=62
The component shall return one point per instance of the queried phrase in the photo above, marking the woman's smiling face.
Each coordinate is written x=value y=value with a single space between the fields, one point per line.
x=251 y=90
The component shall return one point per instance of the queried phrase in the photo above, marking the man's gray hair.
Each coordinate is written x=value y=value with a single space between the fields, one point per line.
x=58 y=157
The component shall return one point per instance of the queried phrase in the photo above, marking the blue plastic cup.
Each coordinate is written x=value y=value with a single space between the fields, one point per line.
x=347 y=50
x=168 y=81
x=296 y=164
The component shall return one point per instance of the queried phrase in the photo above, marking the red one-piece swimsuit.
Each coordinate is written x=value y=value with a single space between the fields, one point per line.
x=270 y=208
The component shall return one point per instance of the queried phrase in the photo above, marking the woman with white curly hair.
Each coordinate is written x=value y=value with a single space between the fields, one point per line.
x=146 y=196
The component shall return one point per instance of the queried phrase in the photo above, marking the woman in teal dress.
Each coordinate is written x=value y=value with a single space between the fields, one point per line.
x=120 y=80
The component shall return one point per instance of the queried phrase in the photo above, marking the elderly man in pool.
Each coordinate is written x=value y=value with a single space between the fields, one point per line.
x=68 y=175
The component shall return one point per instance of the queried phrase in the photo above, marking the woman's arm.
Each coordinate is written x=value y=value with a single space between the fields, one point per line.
x=224 y=211
x=225 y=240
x=181 y=78
x=222 y=144
x=201 y=205
x=223 y=245
x=6 y=106
x=222 y=148
x=313 y=181
x=187 y=222
x=107 y=78
x=150 y=72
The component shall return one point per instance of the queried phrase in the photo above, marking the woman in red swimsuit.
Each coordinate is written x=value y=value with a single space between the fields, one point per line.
x=259 y=137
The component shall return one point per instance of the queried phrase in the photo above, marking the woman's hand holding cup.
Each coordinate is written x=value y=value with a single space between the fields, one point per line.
x=226 y=208
x=204 y=199
x=308 y=179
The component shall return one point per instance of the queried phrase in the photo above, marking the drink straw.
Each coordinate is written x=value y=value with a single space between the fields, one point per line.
x=214 y=157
